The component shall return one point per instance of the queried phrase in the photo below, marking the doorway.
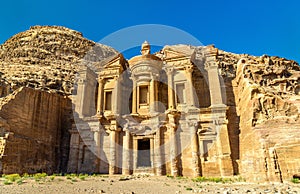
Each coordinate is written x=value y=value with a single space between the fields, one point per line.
x=144 y=153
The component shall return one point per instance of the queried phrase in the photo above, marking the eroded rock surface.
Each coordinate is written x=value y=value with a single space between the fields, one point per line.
x=47 y=58
x=37 y=74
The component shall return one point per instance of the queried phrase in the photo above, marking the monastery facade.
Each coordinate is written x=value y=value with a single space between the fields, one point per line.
x=160 y=114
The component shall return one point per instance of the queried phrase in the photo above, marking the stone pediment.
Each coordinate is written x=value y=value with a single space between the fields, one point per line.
x=177 y=52
x=116 y=62
x=114 y=66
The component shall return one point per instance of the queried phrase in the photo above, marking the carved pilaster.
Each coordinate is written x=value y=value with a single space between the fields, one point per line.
x=113 y=151
x=134 y=96
x=193 y=126
x=157 y=157
x=74 y=151
x=172 y=127
x=153 y=92
x=97 y=135
x=100 y=96
x=116 y=96
x=189 y=75
x=171 y=96
x=126 y=153
x=79 y=106
x=223 y=149
x=213 y=76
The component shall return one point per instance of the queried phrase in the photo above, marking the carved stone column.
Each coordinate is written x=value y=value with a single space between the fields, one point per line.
x=193 y=125
x=116 y=96
x=97 y=148
x=74 y=151
x=157 y=157
x=113 y=151
x=134 y=96
x=173 y=144
x=218 y=112
x=85 y=98
x=171 y=96
x=80 y=97
x=189 y=77
x=152 y=155
x=213 y=76
x=100 y=96
x=126 y=153
x=223 y=149
x=153 y=93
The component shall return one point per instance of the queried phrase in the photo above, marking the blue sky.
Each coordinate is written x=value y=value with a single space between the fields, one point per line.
x=253 y=27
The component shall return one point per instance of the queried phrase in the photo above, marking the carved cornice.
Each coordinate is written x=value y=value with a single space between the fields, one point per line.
x=110 y=72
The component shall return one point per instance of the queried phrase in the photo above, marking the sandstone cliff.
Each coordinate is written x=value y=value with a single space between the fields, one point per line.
x=37 y=72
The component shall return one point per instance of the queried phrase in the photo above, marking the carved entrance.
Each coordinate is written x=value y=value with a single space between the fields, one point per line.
x=144 y=159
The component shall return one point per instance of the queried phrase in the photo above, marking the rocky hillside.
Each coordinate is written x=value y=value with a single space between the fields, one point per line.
x=46 y=58
x=37 y=71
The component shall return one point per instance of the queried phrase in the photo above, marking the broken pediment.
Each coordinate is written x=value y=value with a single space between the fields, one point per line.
x=177 y=51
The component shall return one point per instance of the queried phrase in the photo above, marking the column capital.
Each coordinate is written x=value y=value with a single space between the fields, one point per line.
x=81 y=81
x=100 y=77
x=211 y=54
x=169 y=70
x=153 y=76
x=133 y=78
x=193 y=123
x=171 y=126
x=210 y=51
x=189 y=68
x=116 y=77
x=212 y=64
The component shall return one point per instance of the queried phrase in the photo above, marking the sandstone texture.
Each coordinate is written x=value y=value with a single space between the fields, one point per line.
x=38 y=71
x=47 y=58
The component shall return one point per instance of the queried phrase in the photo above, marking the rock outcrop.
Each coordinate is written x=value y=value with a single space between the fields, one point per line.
x=267 y=98
x=47 y=58
x=37 y=74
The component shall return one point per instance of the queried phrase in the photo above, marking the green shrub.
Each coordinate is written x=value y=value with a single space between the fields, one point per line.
x=52 y=177
x=39 y=176
x=212 y=179
x=240 y=179
x=295 y=180
x=7 y=182
x=83 y=176
x=20 y=181
x=74 y=180
x=25 y=175
x=170 y=176
x=188 y=189
x=12 y=177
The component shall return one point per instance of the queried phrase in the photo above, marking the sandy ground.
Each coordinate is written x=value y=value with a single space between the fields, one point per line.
x=141 y=184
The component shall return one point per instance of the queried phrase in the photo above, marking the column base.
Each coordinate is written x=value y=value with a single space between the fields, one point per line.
x=126 y=172
x=226 y=167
